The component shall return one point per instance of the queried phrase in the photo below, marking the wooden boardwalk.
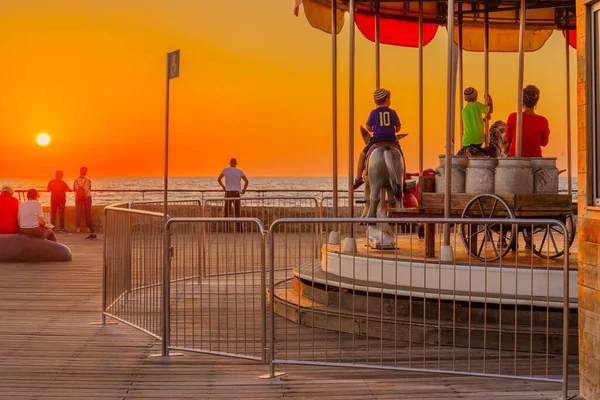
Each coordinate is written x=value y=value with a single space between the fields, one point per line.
x=50 y=350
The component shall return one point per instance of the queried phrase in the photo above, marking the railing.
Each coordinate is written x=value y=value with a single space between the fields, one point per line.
x=336 y=304
x=109 y=196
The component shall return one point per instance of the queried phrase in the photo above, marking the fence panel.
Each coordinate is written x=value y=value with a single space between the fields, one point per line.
x=133 y=268
x=398 y=309
x=267 y=210
x=187 y=208
x=220 y=310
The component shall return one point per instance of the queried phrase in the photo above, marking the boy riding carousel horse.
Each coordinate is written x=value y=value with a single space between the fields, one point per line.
x=384 y=123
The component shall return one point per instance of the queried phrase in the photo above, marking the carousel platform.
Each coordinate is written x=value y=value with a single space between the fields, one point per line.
x=520 y=277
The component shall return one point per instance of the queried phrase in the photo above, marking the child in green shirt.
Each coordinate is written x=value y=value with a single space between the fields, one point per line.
x=474 y=133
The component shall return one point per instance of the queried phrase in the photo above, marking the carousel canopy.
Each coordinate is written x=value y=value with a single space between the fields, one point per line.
x=399 y=21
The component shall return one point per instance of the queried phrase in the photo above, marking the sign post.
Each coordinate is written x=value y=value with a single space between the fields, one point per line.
x=172 y=72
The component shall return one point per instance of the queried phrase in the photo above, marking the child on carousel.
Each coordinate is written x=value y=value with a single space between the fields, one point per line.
x=383 y=122
x=474 y=132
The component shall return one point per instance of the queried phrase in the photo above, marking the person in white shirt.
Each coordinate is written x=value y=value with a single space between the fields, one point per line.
x=31 y=218
x=233 y=186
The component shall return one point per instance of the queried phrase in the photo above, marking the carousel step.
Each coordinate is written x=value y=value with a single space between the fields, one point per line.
x=294 y=306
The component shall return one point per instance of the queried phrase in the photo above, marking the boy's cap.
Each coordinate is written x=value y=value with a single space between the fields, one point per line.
x=470 y=94
x=381 y=94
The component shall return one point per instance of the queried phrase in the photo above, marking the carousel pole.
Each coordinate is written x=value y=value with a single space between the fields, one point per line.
x=568 y=87
x=351 y=116
x=377 y=48
x=454 y=84
x=520 y=84
x=420 y=104
x=334 y=103
x=461 y=73
x=446 y=251
x=486 y=66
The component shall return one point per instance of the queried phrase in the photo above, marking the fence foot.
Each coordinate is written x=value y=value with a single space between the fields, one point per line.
x=169 y=355
x=275 y=375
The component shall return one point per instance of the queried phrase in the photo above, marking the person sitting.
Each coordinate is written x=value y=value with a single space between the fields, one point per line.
x=474 y=132
x=536 y=131
x=384 y=123
x=9 y=209
x=31 y=218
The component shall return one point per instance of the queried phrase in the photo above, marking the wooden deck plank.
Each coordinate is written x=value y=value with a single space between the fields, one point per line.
x=49 y=350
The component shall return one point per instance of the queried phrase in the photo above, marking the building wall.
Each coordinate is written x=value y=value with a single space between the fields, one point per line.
x=589 y=236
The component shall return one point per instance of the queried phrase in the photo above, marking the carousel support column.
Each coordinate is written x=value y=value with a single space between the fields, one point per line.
x=377 y=47
x=446 y=249
x=351 y=125
x=429 y=228
x=568 y=87
x=461 y=73
x=486 y=66
x=334 y=105
x=520 y=84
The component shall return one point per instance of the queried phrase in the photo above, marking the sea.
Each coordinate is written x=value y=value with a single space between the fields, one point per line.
x=117 y=189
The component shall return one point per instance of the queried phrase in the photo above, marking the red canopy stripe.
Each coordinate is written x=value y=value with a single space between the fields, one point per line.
x=297 y=6
x=572 y=37
x=395 y=32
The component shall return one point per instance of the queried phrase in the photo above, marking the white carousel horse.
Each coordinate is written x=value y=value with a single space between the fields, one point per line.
x=384 y=173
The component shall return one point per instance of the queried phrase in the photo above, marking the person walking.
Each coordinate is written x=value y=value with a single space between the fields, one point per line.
x=83 y=202
x=58 y=199
x=232 y=187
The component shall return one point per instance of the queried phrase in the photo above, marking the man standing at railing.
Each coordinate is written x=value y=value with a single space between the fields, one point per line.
x=233 y=186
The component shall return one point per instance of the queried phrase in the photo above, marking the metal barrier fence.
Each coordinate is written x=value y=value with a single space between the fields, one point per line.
x=354 y=307
x=219 y=313
x=397 y=309
x=267 y=210
x=176 y=208
x=133 y=268
x=326 y=207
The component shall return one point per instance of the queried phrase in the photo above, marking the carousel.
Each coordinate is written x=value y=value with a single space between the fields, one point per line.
x=451 y=243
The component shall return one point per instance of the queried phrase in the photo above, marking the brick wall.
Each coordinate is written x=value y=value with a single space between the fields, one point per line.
x=589 y=239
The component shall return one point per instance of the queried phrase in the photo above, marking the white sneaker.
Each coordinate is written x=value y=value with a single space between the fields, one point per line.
x=78 y=230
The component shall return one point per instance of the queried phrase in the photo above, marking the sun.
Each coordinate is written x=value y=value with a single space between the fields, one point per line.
x=43 y=139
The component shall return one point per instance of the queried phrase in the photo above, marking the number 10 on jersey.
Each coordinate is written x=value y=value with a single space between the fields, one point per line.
x=384 y=118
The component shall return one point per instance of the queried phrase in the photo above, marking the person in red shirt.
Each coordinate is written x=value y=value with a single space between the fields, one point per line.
x=536 y=131
x=9 y=209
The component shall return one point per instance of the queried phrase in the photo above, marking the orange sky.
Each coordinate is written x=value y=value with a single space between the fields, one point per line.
x=255 y=83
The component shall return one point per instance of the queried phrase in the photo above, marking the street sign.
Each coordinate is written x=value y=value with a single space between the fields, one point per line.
x=173 y=64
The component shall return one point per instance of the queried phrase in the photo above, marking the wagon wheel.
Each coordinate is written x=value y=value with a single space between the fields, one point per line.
x=488 y=242
x=549 y=240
